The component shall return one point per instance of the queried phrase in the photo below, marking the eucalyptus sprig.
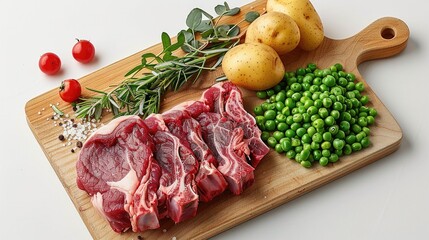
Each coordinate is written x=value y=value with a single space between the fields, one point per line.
x=205 y=42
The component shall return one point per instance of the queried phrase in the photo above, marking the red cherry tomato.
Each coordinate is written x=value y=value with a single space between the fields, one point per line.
x=70 y=90
x=49 y=63
x=83 y=51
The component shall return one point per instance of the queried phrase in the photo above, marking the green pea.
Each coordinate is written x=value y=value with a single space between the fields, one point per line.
x=350 y=86
x=262 y=94
x=281 y=96
x=317 y=137
x=323 y=161
x=347 y=150
x=334 y=129
x=365 y=142
x=326 y=145
x=351 y=77
x=338 y=66
x=318 y=123
x=286 y=111
x=278 y=148
x=278 y=135
x=289 y=120
x=333 y=158
x=280 y=118
x=323 y=112
x=265 y=135
x=294 y=126
x=338 y=143
x=291 y=154
x=296 y=96
x=300 y=72
x=272 y=142
x=363 y=121
x=341 y=134
x=323 y=87
x=270 y=115
x=258 y=111
x=290 y=133
x=318 y=103
x=372 y=112
x=342 y=81
x=306 y=164
x=311 y=131
x=314 y=117
x=327 y=102
x=356 y=146
x=338 y=106
x=359 y=86
x=356 y=128
x=329 y=121
x=317 y=154
x=360 y=136
x=364 y=99
x=350 y=139
x=289 y=102
x=314 y=146
x=296 y=143
x=282 y=126
x=286 y=145
x=370 y=120
x=344 y=125
x=326 y=153
x=297 y=117
x=277 y=88
x=366 y=130
x=270 y=125
x=305 y=153
x=270 y=92
x=329 y=81
x=301 y=131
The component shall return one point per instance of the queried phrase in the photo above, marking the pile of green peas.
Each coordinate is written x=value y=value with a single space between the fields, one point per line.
x=316 y=115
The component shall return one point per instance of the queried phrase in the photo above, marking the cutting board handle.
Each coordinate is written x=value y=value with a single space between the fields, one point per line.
x=383 y=38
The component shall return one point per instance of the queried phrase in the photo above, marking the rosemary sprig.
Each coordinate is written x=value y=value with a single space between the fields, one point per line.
x=140 y=93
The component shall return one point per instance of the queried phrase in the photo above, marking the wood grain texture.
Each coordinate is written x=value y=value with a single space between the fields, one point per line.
x=278 y=180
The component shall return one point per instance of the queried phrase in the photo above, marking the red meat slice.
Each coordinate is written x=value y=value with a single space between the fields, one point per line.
x=226 y=143
x=177 y=193
x=210 y=182
x=226 y=99
x=116 y=167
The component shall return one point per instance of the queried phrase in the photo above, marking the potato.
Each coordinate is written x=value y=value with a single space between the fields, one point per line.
x=276 y=30
x=305 y=16
x=254 y=66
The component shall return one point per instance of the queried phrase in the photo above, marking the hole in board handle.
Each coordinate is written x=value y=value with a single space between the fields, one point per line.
x=387 y=33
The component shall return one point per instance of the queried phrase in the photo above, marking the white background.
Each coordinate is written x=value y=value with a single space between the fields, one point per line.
x=385 y=200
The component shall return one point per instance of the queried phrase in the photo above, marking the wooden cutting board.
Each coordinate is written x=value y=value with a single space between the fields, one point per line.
x=278 y=179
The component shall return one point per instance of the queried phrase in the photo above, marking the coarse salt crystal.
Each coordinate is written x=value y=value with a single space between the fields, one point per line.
x=164 y=230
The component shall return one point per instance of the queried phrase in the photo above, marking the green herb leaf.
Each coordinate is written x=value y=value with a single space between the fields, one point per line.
x=194 y=18
x=223 y=30
x=178 y=44
x=204 y=26
x=166 y=41
x=220 y=9
x=233 y=31
x=135 y=69
x=251 y=16
x=57 y=110
x=207 y=33
x=232 y=12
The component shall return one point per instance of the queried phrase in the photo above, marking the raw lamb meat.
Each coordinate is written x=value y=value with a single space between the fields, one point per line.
x=210 y=182
x=226 y=99
x=226 y=143
x=177 y=193
x=116 y=167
